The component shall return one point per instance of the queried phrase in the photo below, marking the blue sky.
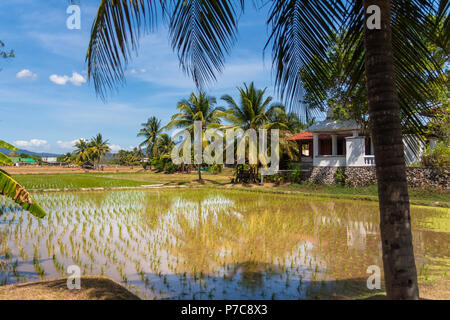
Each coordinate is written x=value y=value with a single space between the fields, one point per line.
x=45 y=103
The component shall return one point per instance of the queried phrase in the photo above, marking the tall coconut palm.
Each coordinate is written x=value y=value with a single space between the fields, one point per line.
x=12 y=189
x=197 y=108
x=150 y=131
x=82 y=153
x=98 y=148
x=164 y=144
x=250 y=113
x=202 y=33
x=288 y=123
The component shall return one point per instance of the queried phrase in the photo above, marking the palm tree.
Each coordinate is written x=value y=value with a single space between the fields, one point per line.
x=138 y=152
x=150 y=131
x=67 y=158
x=12 y=189
x=82 y=152
x=250 y=113
x=288 y=123
x=197 y=108
x=97 y=148
x=202 y=34
x=164 y=144
x=254 y=111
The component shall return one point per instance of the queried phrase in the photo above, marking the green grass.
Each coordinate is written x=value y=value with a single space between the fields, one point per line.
x=417 y=195
x=72 y=181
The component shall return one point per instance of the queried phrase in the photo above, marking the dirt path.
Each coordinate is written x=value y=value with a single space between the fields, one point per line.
x=92 y=288
x=438 y=290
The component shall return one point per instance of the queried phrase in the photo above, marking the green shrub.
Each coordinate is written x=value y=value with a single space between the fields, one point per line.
x=215 y=168
x=340 y=176
x=439 y=157
x=170 y=167
x=164 y=164
x=296 y=176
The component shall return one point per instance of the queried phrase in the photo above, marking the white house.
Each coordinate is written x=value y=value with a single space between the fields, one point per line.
x=49 y=159
x=336 y=143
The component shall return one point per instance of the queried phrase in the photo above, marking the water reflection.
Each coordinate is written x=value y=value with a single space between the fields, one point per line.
x=197 y=244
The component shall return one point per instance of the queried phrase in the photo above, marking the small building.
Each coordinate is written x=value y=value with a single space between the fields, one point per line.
x=19 y=160
x=336 y=143
x=50 y=159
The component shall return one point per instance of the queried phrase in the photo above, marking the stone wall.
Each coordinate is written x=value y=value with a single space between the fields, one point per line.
x=360 y=176
x=324 y=175
x=420 y=177
x=428 y=177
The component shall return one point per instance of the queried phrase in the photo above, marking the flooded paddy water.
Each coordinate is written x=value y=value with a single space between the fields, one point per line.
x=212 y=244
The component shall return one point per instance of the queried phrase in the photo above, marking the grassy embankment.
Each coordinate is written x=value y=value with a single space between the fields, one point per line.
x=116 y=180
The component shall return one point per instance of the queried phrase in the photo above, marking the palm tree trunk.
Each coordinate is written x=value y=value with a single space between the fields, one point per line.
x=199 y=173
x=400 y=273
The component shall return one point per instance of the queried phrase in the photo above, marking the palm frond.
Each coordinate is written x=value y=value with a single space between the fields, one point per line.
x=115 y=33
x=202 y=33
x=300 y=31
x=415 y=66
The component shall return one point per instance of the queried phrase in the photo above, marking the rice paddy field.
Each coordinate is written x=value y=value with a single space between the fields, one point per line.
x=212 y=243
x=73 y=181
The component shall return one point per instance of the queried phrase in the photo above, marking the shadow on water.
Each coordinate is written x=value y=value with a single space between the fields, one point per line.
x=250 y=281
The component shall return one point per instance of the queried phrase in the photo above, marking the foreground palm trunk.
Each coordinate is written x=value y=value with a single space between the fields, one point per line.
x=384 y=109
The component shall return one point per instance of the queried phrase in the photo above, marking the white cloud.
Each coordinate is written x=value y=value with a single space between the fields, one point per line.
x=69 y=145
x=134 y=71
x=76 y=79
x=25 y=73
x=115 y=148
x=66 y=144
x=31 y=144
x=61 y=80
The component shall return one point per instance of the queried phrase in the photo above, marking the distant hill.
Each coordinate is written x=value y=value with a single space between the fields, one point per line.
x=30 y=153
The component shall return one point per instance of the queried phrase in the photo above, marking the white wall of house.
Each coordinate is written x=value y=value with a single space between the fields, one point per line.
x=355 y=154
x=356 y=146
x=356 y=151
x=329 y=161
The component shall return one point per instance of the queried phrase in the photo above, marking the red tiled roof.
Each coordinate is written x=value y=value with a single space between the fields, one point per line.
x=305 y=135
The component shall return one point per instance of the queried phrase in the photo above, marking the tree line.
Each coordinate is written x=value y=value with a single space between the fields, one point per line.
x=253 y=110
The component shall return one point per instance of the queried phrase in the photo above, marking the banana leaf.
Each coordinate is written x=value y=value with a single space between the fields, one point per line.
x=5 y=159
x=8 y=146
x=12 y=189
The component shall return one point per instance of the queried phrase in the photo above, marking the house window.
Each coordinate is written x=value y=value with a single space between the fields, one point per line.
x=305 y=150
x=341 y=147
x=325 y=147
x=368 y=146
